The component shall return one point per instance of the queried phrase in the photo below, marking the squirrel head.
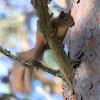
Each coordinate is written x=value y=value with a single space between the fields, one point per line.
x=66 y=19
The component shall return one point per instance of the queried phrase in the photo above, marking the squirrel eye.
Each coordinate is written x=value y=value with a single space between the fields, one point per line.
x=66 y=19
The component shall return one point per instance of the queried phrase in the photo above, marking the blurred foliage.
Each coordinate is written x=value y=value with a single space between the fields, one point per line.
x=18 y=33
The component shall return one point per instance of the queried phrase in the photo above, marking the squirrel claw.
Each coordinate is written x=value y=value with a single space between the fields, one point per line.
x=54 y=33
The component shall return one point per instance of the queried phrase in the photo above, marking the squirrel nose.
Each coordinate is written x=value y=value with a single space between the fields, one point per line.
x=73 y=23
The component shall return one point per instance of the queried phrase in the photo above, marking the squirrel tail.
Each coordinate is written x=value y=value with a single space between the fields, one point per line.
x=22 y=74
x=22 y=78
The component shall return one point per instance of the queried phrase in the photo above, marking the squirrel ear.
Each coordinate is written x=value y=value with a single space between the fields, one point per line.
x=69 y=11
x=62 y=14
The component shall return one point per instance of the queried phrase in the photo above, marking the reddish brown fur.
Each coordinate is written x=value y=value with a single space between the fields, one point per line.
x=22 y=76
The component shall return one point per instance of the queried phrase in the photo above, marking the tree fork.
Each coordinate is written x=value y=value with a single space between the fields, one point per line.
x=60 y=55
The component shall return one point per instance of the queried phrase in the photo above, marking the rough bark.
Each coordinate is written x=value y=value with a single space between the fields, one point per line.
x=84 y=38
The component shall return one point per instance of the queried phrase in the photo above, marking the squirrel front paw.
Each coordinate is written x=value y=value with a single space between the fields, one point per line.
x=61 y=45
x=54 y=32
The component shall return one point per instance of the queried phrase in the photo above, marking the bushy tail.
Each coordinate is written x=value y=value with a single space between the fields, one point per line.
x=22 y=74
x=21 y=80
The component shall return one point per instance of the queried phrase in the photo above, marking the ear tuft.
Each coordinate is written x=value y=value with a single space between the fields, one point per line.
x=69 y=11
x=62 y=14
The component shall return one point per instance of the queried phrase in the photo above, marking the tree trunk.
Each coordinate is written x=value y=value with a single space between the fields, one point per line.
x=84 y=40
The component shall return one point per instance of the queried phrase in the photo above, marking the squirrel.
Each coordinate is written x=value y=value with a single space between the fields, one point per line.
x=22 y=76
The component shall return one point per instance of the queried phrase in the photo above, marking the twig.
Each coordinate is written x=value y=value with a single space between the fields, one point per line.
x=33 y=63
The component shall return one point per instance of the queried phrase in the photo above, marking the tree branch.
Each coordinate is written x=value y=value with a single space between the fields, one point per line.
x=33 y=63
x=45 y=25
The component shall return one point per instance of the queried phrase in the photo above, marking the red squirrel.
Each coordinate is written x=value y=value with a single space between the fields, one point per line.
x=22 y=76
